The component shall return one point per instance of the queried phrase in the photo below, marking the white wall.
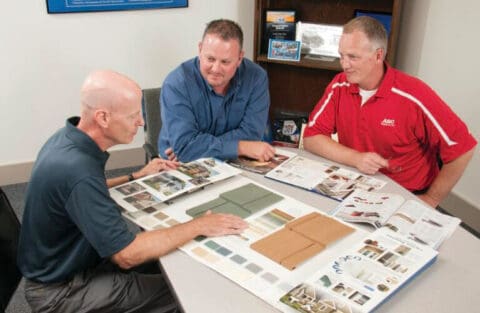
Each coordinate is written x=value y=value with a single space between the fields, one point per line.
x=45 y=57
x=439 y=44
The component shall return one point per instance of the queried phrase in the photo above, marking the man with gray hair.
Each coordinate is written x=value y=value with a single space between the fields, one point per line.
x=388 y=121
x=75 y=249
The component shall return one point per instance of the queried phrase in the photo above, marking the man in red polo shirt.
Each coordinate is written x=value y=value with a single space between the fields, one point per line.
x=386 y=120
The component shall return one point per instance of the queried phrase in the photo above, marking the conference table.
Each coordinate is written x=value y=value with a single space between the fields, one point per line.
x=451 y=284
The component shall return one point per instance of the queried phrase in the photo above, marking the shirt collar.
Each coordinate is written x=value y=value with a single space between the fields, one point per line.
x=385 y=85
x=387 y=81
x=83 y=141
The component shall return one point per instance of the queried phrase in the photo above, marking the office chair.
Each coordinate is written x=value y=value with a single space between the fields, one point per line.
x=9 y=235
x=153 y=121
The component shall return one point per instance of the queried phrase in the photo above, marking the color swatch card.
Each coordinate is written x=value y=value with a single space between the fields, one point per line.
x=362 y=278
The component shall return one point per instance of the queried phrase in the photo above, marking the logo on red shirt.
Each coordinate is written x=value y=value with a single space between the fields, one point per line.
x=388 y=122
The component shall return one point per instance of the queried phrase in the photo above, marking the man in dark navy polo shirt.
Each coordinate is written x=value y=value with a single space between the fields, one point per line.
x=75 y=249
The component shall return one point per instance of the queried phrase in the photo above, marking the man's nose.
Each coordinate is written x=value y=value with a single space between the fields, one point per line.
x=215 y=66
x=141 y=122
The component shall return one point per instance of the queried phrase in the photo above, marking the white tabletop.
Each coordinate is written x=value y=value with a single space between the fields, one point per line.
x=451 y=284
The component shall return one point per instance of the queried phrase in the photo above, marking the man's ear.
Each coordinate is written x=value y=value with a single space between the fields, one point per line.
x=102 y=118
x=242 y=54
x=199 y=47
x=380 y=55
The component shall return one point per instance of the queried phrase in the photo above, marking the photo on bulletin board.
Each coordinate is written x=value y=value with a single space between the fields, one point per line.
x=382 y=17
x=286 y=50
x=71 y=6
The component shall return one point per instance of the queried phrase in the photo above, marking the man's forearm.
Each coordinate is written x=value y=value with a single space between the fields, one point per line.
x=153 y=244
x=112 y=182
x=328 y=148
x=446 y=179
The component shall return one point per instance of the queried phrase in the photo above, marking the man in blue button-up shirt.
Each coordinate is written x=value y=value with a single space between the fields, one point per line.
x=215 y=105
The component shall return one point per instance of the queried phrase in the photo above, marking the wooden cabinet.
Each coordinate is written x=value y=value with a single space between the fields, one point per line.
x=297 y=86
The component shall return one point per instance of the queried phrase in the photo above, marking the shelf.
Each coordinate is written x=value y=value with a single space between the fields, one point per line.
x=298 y=86
x=305 y=62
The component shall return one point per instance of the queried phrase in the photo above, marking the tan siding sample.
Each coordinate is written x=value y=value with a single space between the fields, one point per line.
x=301 y=239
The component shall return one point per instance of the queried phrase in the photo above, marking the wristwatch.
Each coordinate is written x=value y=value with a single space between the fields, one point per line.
x=130 y=177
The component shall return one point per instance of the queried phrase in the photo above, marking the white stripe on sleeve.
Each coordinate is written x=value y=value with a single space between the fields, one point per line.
x=427 y=113
x=344 y=84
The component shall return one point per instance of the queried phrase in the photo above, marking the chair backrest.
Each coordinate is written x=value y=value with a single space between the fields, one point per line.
x=9 y=235
x=153 y=121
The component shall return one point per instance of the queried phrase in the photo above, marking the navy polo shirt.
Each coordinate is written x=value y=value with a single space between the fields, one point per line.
x=70 y=221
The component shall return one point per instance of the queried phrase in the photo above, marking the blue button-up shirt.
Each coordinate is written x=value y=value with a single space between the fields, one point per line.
x=197 y=122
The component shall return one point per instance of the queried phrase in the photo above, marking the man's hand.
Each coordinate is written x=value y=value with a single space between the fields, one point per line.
x=219 y=224
x=257 y=150
x=370 y=162
x=171 y=155
x=156 y=165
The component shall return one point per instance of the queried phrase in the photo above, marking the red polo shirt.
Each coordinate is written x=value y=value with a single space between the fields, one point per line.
x=405 y=121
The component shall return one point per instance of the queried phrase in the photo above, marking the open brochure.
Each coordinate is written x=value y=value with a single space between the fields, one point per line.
x=327 y=179
x=157 y=188
x=265 y=262
x=263 y=168
x=411 y=218
x=362 y=278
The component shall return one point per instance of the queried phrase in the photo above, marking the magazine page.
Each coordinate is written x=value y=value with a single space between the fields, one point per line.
x=152 y=190
x=263 y=168
x=363 y=278
x=423 y=224
x=232 y=256
x=368 y=207
x=330 y=180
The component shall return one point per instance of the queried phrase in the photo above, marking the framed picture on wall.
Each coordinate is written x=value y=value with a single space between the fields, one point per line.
x=70 y=6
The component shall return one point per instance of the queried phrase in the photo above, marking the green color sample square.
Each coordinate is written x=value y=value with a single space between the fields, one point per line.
x=260 y=204
x=212 y=245
x=245 y=194
x=231 y=208
x=201 y=209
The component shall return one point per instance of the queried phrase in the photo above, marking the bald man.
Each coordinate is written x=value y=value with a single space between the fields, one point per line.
x=75 y=249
